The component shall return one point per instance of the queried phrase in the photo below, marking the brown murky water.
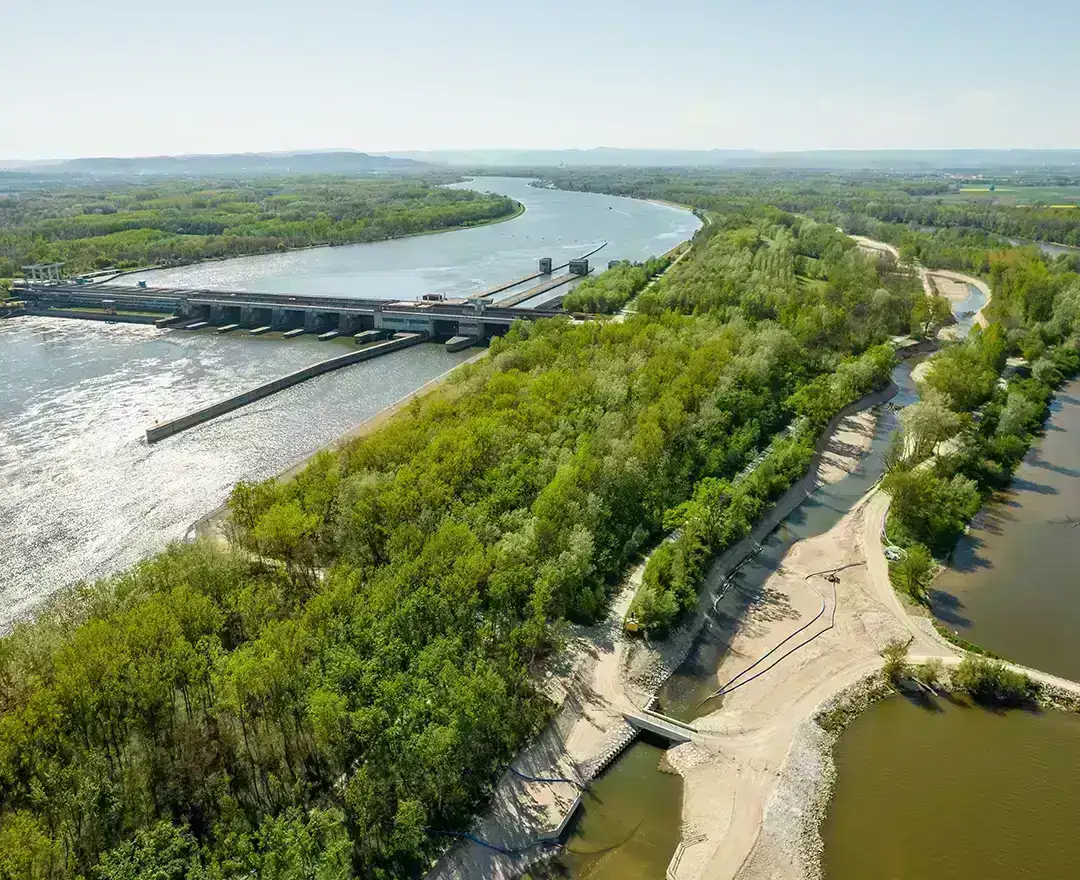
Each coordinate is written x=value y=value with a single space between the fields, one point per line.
x=628 y=827
x=1014 y=583
x=945 y=791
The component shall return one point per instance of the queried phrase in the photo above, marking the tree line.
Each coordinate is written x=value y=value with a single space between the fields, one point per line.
x=609 y=291
x=971 y=428
x=171 y=221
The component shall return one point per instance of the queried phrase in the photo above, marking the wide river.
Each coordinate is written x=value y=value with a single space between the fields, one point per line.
x=1014 y=582
x=83 y=495
x=556 y=224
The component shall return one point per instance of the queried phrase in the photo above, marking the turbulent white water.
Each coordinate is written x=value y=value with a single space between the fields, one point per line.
x=83 y=494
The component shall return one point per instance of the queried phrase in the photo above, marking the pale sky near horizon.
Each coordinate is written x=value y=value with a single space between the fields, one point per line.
x=142 y=77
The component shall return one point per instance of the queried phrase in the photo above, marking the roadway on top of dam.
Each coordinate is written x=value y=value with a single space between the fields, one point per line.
x=182 y=299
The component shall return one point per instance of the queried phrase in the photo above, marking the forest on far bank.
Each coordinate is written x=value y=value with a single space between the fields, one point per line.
x=172 y=221
x=902 y=208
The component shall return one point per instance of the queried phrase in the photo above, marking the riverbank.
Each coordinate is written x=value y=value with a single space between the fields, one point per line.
x=213 y=526
x=603 y=672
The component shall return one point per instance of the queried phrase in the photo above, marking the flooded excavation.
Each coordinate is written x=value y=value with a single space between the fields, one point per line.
x=628 y=825
x=951 y=792
x=1012 y=584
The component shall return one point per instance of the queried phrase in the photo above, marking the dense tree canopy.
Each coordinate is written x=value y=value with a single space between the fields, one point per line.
x=172 y=221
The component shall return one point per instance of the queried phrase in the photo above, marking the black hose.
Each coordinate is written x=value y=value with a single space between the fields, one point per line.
x=727 y=687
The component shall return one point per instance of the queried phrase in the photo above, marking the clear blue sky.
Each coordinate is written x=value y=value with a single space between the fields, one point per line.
x=137 y=77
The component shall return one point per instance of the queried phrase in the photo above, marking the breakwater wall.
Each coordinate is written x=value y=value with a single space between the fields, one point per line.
x=92 y=316
x=174 y=426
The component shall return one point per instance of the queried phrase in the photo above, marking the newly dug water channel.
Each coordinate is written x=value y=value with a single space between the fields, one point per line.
x=637 y=778
x=629 y=821
x=686 y=693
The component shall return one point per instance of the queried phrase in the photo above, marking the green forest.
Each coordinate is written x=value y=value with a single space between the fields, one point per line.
x=971 y=428
x=171 y=221
x=857 y=201
x=348 y=677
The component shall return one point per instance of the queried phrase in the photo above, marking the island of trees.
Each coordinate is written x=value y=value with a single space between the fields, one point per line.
x=170 y=221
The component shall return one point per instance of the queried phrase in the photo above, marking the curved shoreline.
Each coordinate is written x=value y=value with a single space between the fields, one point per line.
x=521 y=209
x=805 y=784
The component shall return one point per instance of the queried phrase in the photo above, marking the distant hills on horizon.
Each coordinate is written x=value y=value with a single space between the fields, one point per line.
x=348 y=162
x=807 y=159
x=313 y=162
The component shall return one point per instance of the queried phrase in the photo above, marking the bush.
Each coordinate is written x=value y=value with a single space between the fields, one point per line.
x=895 y=667
x=913 y=573
x=929 y=509
x=991 y=682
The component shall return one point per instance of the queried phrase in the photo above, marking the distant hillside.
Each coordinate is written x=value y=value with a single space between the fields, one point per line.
x=821 y=159
x=341 y=162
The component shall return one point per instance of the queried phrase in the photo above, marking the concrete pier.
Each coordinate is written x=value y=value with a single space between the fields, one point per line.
x=292 y=334
x=259 y=331
x=174 y=426
x=228 y=328
x=537 y=290
x=460 y=343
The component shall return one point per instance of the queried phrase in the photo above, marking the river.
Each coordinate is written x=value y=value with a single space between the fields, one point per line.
x=1013 y=584
x=84 y=495
x=1048 y=247
x=556 y=223
x=948 y=791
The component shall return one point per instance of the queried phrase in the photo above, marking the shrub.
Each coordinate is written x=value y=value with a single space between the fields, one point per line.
x=991 y=682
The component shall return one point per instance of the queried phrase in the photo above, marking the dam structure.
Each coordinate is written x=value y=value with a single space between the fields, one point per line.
x=438 y=318
x=475 y=318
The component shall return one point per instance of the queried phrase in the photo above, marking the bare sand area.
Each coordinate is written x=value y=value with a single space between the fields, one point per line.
x=749 y=825
x=848 y=444
x=953 y=289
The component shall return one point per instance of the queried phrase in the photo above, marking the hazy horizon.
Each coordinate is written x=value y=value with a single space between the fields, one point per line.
x=124 y=79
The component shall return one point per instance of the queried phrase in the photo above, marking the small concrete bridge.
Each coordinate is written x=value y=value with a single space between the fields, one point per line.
x=670 y=729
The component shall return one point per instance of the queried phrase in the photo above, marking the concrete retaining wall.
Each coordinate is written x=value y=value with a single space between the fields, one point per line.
x=92 y=316
x=166 y=429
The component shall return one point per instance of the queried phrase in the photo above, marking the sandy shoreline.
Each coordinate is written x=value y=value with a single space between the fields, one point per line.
x=980 y=316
